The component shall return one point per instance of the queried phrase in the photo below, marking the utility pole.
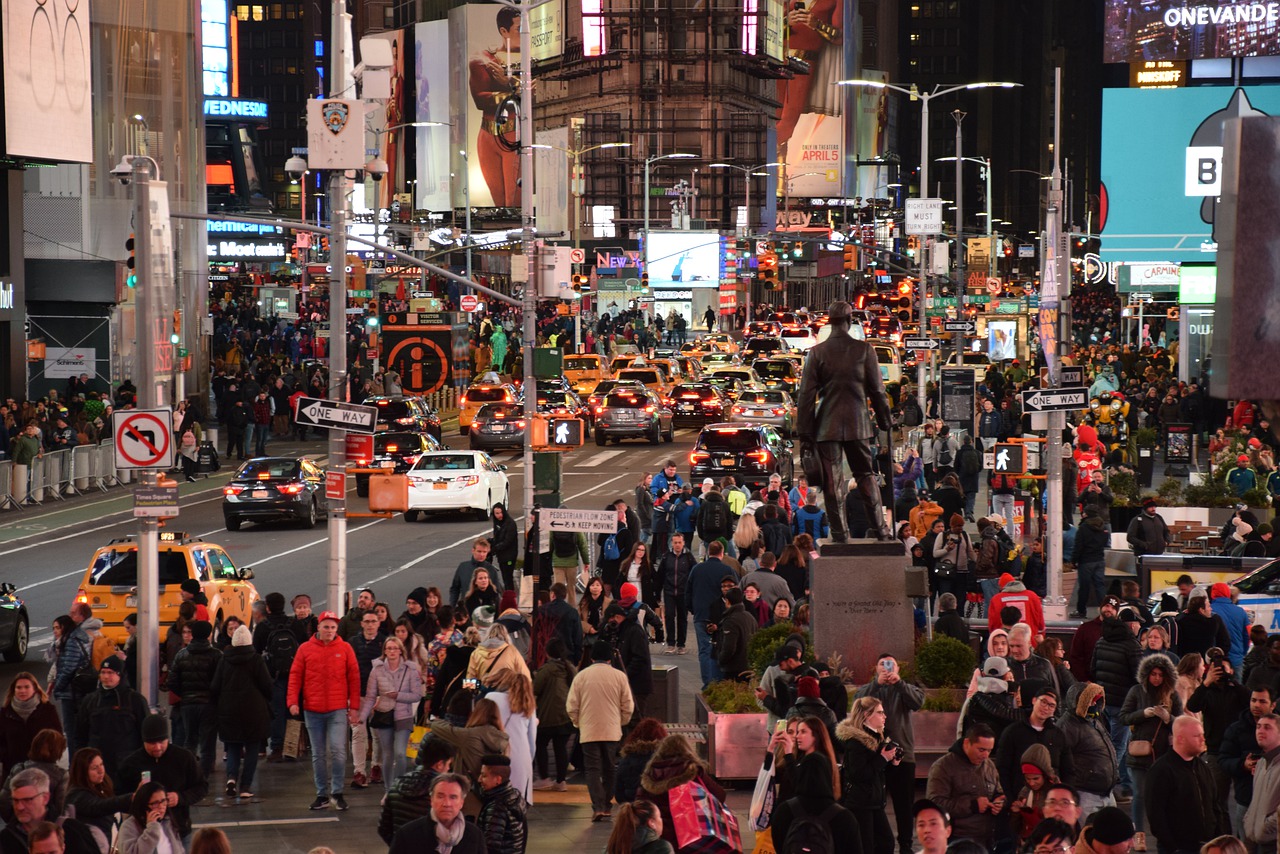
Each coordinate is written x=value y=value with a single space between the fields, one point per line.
x=1052 y=287
x=959 y=115
x=337 y=581
x=530 y=307
x=147 y=329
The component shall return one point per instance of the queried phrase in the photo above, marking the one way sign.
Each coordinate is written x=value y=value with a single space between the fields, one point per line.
x=968 y=327
x=921 y=343
x=335 y=415
x=1054 y=399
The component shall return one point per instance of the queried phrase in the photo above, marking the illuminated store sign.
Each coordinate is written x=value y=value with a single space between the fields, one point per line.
x=236 y=249
x=235 y=108
x=214 y=17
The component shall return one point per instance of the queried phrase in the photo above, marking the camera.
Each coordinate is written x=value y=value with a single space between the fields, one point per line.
x=295 y=166
x=897 y=749
x=123 y=171
x=376 y=168
x=471 y=684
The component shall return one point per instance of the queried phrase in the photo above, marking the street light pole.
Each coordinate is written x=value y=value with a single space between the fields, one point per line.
x=959 y=115
x=647 y=163
x=337 y=581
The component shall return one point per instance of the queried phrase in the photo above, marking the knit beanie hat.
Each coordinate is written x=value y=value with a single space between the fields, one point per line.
x=957 y=522
x=807 y=686
x=242 y=636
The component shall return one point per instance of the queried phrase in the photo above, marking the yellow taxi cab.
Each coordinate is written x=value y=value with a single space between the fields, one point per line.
x=489 y=388
x=110 y=584
x=720 y=342
x=693 y=349
x=622 y=360
x=691 y=367
x=675 y=373
x=745 y=373
x=584 y=371
x=651 y=376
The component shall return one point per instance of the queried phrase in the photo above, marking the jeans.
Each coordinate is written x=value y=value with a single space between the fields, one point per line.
x=279 y=712
x=600 y=758
x=1138 y=808
x=559 y=738
x=200 y=734
x=328 y=734
x=970 y=499
x=706 y=654
x=989 y=587
x=393 y=742
x=249 y=752
x=1003 y=504
x=677 y=619
x=1120 y=739
x=260 y=432
x=68 y=709
x=1090 y=576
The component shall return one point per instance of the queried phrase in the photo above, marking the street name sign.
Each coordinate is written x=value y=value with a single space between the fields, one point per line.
x=1054 y=399
x=587 y=521
x=921 y=344
x=334 y=415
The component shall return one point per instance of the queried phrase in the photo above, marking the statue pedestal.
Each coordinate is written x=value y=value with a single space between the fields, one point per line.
x=860 y=605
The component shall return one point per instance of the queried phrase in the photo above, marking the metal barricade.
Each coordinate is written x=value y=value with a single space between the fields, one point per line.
x=57 y=467
x=104 y=470
x=36 y=481
x=83 y=460
x=6 y=486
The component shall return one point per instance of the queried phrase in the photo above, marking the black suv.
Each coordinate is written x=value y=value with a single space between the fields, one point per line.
x=396 y=451
x=497 y=425
x=701 y=402
x=752 y=452
x=401 y=412
x=633 y=413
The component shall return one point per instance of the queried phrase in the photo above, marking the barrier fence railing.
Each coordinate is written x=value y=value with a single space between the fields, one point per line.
x=54 y=475
x=6 y=487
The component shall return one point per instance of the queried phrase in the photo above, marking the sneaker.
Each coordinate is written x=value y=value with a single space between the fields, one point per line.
x=681 y=650
x=339 y=803
x=562 y=786
x=375 y=775
x=244 y=796
x=320 y=803
x=231 y=788
x=542 y=785
x=671 y=650
x=359 y=781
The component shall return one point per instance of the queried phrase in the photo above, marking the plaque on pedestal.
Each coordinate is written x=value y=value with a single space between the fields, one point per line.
x=860 y=605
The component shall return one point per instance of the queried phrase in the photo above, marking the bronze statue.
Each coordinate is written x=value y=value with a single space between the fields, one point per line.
x=841 y=375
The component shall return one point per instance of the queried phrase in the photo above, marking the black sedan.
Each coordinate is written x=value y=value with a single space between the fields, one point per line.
x=699 y=402
x=497 y=425
x=270 y=488
x=627 y=413
x=753 y=452
x=15 y=624
x=404 y=412
x=396 y=452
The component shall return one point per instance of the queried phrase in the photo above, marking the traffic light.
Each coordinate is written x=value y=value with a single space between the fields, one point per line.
x=767 y=268
x=556 y=434
x=176 y=335
x=644 y=282
x=579 y=283
x=1007 y=248
x=797 y=249
x=131 y=278
x=1010 y=458
x=850 y=257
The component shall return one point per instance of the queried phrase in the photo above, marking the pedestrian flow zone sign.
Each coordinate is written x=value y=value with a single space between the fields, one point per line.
x=1009 y=459
x=587 y=521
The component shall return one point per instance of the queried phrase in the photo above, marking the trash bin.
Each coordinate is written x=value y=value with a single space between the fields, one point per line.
x=664 y=703
x=211 y=435
x=207 y=458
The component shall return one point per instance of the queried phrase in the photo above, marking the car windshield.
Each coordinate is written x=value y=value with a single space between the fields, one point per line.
x=762 y=397
x=392 y=442
x=729 y=440
x=765 y=345
x=445 y=462
x=581 y=363
x=745 y=376
x=498 y=410
x=481 y=395
x=646 y=377
x=773 y=370
x=116 y=568
x=392 y=410
x=884 y=355
x=625 y=400
x=798 y=333
x=269 y=469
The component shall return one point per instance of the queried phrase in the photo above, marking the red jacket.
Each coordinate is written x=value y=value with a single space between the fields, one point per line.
x=327 y=676
x=1015 y=594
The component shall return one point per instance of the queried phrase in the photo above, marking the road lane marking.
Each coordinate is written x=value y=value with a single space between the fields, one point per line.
x=597 y=459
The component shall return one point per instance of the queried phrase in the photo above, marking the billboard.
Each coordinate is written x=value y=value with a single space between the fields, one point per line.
x=762 y=29
x=47 y=80
x=809 y=135
x=1143 y=30
x=431 y=74
x=1161 y=168
x=485 y=47
x=391 y=142
x=683 y=257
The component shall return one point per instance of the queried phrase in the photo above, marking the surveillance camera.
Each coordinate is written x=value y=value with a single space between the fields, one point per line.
x=123 y=171
x=296 y=166
x=376 y=168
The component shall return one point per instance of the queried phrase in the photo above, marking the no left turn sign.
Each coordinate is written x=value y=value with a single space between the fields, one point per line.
x=143 y=438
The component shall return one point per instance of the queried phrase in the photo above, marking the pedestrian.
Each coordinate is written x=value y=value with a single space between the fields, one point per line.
x=1149 y=710
x=465 y=572
x=481 y=733
x=674 y=570
x=1148 y=534
x=45 y=753
x=190 y=680
x=637 y=829
x=1037 y=729
x=736 y=628
x=631 y=641
x=1115 y=668
x=1183 y=808
x=483 y=592
x=173 y=767
x=966 y=784
x=367 y=642
x=702 y=591
x=1199 y=629
x=949 y=622
x=1090 y=763
x=409 y=798
x=1259 y=822
x=674 y=763
x=444 y=830
x=517 y=706
x=502 y=811
x=551 y=684
x=276 y=641
x=92 y=794
x=599 y=705
x=504 y=544
x=111 y=717
x=391 y=697
x=29 y=793
x=868 y=752
x=495 y=655
x=26 y=711
x=324 y=687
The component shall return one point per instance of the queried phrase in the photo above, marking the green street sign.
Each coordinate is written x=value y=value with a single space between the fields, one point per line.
x=182 y=352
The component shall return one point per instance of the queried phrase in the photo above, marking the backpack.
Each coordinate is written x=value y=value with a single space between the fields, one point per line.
x=610 y=549
x=282 y=646
x=911 y=414
x=943 y=457
x=811 y=833
x=564 y=544
x=85 y=680
x=970 y=463
x=715 y=520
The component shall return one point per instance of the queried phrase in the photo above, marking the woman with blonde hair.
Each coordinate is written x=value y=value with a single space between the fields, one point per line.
x=391 y=698
x=867 y=753
x=747 y=532
x=513 y=694
x=495 y=654
x=1190 y=674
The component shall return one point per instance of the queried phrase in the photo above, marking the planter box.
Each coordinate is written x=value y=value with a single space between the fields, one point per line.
x=935 y=733
x=735 y=743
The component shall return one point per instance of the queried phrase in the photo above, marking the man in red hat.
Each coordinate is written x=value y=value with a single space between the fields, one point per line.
x=1014 y=593
x=324 y=687
x=1242 y=478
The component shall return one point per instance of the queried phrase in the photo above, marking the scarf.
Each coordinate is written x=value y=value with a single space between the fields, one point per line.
x=24 y=708
x=448 y=835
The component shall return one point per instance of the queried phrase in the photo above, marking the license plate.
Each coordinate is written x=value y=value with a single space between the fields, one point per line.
x=686 y=407
x=259 y=493
x=131 y=601
x=727 y=462
x=440 y=485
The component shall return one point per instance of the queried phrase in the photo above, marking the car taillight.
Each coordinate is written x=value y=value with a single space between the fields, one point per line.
x=291 y=488
x=699 y=457
x=412 y=459
x=82 y=597
x=761 y=457
x=467 y=480
x=649 y=408
x=779 y=411
x=598 y=410
x=391 y=449
x=232 y=489
x=738 y=410
x=362 y=463
x=520 y=423
x=463 y=401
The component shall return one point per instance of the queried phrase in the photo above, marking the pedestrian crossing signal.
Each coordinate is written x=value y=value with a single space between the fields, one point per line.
x=556 y=434
x=1010 y=459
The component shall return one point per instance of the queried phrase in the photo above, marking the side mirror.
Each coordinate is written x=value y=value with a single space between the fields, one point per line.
x=502 y=467
x=7 y=589
x=246 y=573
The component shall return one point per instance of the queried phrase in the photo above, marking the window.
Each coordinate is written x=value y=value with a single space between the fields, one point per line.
x=602 y=221
x=258 y=13
x=277 y=11
x=242 y=13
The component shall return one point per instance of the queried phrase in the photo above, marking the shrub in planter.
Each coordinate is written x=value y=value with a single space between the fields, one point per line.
x=1124 y=487
x=1211 y=493
x=765 y=643
x=728 y=697
x=941 y=702
x=1257 y=497
x=944 y=662
x=1170 y=492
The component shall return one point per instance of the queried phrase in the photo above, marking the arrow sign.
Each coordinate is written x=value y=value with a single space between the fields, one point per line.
x=968 y=327
x=1054 y=399
x=1072 y=375
x=587 y=521
x=333 y=415
x=922 y=343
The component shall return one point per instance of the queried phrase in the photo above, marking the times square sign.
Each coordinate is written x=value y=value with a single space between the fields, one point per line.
x=1236 y=13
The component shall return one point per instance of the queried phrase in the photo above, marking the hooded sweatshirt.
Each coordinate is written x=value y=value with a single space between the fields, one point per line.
x=1089 y=758
x=669 y=767
x=1032 y=812
x=1141 y=697
x=1016 y=594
